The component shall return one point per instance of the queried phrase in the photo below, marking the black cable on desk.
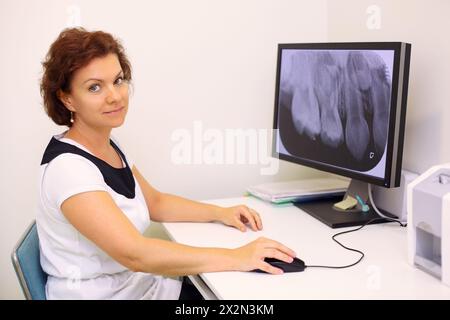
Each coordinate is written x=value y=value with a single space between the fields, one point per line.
x=351 y=249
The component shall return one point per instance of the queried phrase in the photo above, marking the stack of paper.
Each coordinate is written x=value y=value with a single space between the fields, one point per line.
x=280 y=192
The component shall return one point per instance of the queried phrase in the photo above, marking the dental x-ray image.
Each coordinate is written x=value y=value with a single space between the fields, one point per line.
x=334 y=106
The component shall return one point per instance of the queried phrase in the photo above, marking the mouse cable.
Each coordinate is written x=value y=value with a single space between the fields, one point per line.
x=351 y=249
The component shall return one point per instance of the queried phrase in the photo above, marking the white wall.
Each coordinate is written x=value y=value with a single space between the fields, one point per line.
x=424 y=24
x=212 y=61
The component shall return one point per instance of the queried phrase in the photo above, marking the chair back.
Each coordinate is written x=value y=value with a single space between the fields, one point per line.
x=26 y=261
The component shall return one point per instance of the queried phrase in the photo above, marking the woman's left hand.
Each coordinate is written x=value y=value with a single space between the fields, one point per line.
x=239 y=216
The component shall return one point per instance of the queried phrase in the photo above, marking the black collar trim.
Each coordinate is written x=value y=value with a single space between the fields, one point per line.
x=121 y=180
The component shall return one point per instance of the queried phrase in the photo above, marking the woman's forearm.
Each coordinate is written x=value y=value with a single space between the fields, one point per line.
x=171 y=208
x=173 y=259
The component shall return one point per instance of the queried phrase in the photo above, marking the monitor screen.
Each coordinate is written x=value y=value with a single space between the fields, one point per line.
x=340 y=107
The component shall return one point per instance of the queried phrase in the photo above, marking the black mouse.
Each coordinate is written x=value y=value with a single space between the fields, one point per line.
x=297 y=265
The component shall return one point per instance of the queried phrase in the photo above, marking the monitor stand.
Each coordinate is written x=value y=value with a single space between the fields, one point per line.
x=324 y=210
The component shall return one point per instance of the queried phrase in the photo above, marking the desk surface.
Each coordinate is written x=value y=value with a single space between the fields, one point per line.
x=384 y=273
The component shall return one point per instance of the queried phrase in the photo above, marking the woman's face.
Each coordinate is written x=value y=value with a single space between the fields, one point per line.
x=98 y=94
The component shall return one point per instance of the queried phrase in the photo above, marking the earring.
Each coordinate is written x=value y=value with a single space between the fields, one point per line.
x=71 y=117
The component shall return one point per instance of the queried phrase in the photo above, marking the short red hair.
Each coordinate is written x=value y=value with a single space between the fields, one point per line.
x=73 y=49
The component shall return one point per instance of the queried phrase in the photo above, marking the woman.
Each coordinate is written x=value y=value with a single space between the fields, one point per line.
x=95 y=204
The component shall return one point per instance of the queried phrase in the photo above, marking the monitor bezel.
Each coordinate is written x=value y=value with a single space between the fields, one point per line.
x=396 y=106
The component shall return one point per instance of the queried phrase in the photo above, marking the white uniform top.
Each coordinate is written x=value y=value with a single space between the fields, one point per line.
x=76 y=267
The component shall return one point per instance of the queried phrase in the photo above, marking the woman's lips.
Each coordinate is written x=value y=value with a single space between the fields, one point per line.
x=114 y=111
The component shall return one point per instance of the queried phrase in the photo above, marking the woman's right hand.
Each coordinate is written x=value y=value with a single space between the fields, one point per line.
x=252 y=255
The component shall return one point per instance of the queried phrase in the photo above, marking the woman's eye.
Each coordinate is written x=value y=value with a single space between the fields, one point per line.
x=119 y=80
x=94 y=88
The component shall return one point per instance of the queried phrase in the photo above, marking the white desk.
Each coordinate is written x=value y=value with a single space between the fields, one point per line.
x=384 y=273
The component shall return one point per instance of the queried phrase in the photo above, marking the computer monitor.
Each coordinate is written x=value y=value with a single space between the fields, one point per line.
x=340 y=108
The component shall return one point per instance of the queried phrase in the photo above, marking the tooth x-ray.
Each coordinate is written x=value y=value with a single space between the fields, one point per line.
x=334 y=105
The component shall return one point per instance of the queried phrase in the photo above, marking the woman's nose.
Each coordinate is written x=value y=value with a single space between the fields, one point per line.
x=113 y=94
